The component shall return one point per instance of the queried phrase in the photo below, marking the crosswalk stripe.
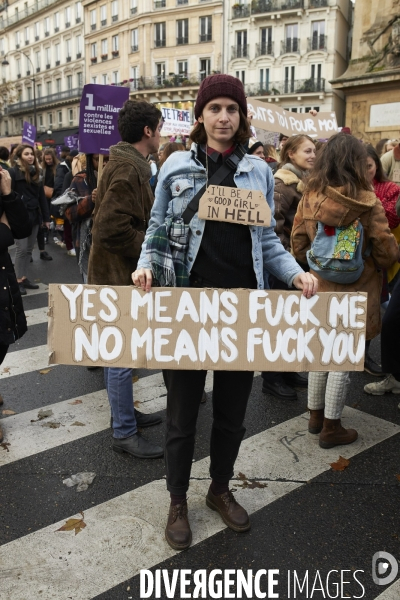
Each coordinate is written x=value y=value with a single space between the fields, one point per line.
x=130 y=527
x=36 y=316
x=43 y=289
x=18 y=362
x=27 y=436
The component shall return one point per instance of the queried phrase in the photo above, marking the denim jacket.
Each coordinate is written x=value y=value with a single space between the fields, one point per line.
x=183 y=175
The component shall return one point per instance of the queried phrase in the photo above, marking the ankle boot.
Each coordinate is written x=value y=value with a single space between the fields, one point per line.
x=333 y=434
x=316 y=420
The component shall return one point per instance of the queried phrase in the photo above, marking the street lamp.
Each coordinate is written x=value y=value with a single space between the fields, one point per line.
x=5 y=63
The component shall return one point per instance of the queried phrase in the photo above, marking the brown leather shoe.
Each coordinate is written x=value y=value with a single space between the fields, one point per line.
x=333 y=434
x=177 y=531
x=316 y=420
x=232 y=514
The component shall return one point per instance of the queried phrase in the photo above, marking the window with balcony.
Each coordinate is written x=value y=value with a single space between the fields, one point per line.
x=37 y=30
x=94 y=79
x=241 y=75
x=134 y=40
x=78 y=46
x=17 y=40
x=70 y=117
x=205 y=29
x=291 y=42
x=104 y=49
x=47 y=26
x=134 y=79
x=317 y=84
x=2 y=52
x=56 y=21
x=114 y=10
x=59 y=118
x=18 y=67
x=40 y=120
x=58 y=85
x=29 y=93
x=69 y=82
x=289 y=83
x=49 y=119
x=318 y=38
x=160 y=73
x=93 y=19
x=115 y=77
x=264 y=80
x=115 y=45
x=241 y=50
x=182 y=31
x=103 y=15
x=79 y=79
x=57 y=54
x=68 y=50
x=160 y=35
x=78 y=12
x=48 y=57
x=67 y=16
x=37 y=61
x=104 y=79
x=182 y=69
x=160 y=3
x=48 y=88
x=133 y=7
x=93 y=52
x=205 y=67
x=26 y=36
x=265 y=48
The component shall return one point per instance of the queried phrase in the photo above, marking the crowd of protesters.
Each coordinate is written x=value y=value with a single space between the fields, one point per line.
x=121 y=232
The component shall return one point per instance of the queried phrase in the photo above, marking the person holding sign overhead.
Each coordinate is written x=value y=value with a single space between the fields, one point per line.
x=182 y=250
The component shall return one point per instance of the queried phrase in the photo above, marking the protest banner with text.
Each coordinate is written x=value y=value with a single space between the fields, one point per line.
x=175 y=121
x=234 y=205
x=274 y=118
x=28 y=134
x=216 y=329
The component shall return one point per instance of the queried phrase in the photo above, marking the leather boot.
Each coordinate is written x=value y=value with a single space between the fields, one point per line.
x=316 y=420
x=177 y=531
x=333 y=434
x=232 y=514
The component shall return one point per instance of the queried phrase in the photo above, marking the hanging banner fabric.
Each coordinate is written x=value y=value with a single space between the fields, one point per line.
x=216 y=329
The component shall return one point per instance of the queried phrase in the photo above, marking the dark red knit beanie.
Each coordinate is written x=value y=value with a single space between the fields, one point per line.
x=215 y=86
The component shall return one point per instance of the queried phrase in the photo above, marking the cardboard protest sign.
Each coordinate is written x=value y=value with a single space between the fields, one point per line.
x=217 y=329
x=98 y=117
x=273 y=118
x=28 y=134
x=176 y=121
x=234 y=205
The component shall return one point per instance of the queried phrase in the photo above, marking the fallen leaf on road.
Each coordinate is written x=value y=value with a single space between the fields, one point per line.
x=44 y=371
x=76 y=402
x=5 y=445
x=6 y=370
x=43 y=414
x=78 y=423
x=251 y=485
x=51 y=425
x=341 y=464
x=135 y=379
x=242 y=476
x=73 y=524
x=7 y=411
x=136 y=403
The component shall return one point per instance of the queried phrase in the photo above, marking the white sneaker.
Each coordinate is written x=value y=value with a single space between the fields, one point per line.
x=389 y=384
x=71 y=252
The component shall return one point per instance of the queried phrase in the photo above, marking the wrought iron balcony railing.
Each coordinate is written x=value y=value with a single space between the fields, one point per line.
x=240 y=51
x=288 y=86
x=265 y=49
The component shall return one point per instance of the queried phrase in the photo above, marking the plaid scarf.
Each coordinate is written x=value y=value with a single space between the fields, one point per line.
x=166 y=250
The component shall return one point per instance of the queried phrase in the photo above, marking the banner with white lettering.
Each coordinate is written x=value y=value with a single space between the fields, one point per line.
x=216 y=329
x=176 y=121
x=274 y=118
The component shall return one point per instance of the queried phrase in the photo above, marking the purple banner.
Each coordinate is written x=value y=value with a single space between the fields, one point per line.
x=28 y=134
x=71 y=141
x=98 y=118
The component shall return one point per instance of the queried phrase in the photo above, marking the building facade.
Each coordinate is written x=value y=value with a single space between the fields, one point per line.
x=160 y=49
x=42 y=55
x=286 y=51
x=371 y=83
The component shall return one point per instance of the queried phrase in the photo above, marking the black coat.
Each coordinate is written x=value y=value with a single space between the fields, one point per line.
x=12 y=316
x=33 y=196
x=62 y=169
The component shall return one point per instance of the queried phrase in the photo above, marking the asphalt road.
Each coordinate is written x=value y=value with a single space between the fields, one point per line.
x=306 y=518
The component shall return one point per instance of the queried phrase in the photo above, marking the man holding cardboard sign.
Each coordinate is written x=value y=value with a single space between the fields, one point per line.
x=182 y=249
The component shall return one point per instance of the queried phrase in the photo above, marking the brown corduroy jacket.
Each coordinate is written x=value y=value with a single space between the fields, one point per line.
x=332 y=208
x=122 y=212
x=287 y=195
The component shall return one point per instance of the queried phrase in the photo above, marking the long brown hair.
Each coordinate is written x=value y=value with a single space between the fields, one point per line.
x=50 y=152
x=243 y=134
x=169 y=149
x=342 y=162
x=380 y=173
x=23 y=166
x=292 y=145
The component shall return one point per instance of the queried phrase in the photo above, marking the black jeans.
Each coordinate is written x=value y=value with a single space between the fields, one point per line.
x=3 y=352
x=390 y=336
x=231 y=391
